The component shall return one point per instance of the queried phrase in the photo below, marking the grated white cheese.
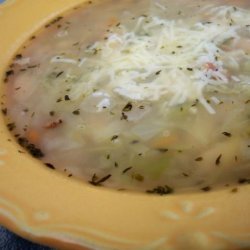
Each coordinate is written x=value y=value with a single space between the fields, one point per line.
x=215 y=100
x=60 y=59
x=173 y=60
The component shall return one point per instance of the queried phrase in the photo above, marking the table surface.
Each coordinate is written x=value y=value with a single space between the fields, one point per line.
x=10 y=241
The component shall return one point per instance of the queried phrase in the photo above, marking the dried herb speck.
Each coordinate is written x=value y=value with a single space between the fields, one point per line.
x=206 y=189
x=162 y=150
x=49 y=165
x=243 y=181
x=4 y=111
x=128 y=107
x=11 y=126
x=218 y=159
x=32 y=149
x=137 y=177
x=227 y=134
x=126 y=170
x=66 y=98
x=9 y=73
x=134 y=142
x=76 y=112
x=97 y=182
x=199 y=159
x=18 y=56
x=59 y=74
x=114 y=137
x=124 y=116
x=161 y=190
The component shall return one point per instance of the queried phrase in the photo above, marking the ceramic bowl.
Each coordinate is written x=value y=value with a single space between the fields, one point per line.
x=47 y=207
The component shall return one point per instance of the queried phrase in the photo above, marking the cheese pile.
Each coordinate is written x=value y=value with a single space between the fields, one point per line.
x=171 y=60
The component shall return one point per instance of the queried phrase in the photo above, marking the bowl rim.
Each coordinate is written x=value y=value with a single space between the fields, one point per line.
x=47 y=207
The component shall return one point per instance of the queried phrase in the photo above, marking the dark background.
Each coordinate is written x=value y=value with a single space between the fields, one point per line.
x=10 y=241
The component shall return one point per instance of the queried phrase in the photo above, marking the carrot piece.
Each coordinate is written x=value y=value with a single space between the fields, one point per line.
x=163 y=141
x=112 y=21
x=33 y=136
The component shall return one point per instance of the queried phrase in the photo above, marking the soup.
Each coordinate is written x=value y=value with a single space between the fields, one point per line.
x=152 y=96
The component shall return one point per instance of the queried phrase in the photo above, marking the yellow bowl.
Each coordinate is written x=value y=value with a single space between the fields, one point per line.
x=47 y=207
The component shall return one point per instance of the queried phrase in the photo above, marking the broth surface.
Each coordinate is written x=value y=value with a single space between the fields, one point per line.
x=138 y=95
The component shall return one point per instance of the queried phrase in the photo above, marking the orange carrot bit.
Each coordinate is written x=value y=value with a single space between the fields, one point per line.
x=162 y=141
x=112 y=21
x=33 y=136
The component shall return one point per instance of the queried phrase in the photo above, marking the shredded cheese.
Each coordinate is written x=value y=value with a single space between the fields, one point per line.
x=172 y=60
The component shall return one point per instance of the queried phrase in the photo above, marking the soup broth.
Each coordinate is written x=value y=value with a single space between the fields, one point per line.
x=152 y=96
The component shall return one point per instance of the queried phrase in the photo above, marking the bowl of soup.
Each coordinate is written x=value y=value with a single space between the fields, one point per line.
x=126 y=124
